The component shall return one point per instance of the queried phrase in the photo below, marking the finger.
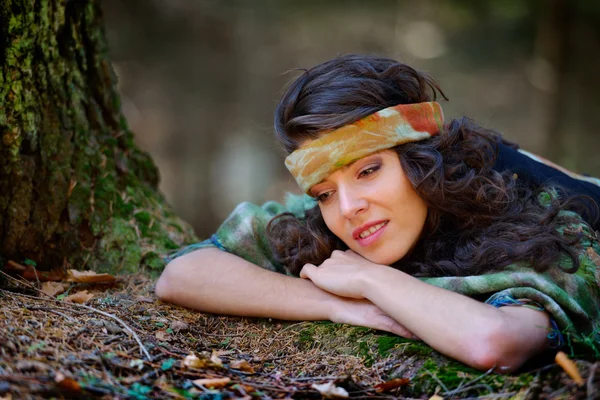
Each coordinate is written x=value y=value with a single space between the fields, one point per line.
x=307 y=271
x=394 y=327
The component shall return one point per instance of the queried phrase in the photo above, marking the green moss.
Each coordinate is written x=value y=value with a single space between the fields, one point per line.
x=306 y=336
x=364 y=350
x=153 y=261
x=385 y=343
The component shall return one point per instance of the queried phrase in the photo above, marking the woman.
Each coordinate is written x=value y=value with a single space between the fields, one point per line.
x=418 y=229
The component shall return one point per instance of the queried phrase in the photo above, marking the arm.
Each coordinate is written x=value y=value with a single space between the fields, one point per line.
x=214 y=281
x=475 y=333
x=467 y=330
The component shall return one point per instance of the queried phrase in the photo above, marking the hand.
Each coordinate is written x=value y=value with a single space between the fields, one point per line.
x=364 y=313
x=340 y=274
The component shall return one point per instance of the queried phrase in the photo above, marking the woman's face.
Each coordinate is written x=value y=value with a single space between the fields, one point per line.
x=372 y=207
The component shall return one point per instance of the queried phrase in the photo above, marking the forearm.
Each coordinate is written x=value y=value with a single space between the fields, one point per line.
x=458 y=326
x=214 y=281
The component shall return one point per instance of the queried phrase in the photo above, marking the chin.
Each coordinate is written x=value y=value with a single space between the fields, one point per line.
x=383 y=259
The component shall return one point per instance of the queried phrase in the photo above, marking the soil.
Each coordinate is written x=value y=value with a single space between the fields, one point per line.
x=124 y=343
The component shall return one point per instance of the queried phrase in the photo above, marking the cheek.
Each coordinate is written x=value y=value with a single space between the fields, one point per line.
x=330 y=220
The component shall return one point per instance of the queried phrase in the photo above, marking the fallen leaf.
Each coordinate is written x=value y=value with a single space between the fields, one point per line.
x=179 y=326
x=436 y=397
x=79 y=297
x=214 y=358
x=192 y=361
x=13 y=266
x=569 y=366
x=330 y=391
x=112 y=327
x=162 y=335
x=215 y=383
x=242 y=365
x=391 y=384
x=88 y=277
x=53 y=288
x=32 y=274
x=68 y=385
x=137 y=363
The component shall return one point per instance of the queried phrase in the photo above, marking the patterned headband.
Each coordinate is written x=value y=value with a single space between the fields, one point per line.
x=379 y=131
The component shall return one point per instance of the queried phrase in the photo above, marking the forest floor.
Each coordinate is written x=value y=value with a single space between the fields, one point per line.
x=123 y=343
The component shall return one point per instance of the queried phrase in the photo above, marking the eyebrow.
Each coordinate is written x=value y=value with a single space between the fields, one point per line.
x=345 y=167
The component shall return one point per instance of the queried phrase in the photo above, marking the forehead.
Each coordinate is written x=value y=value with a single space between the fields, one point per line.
x=360 y=162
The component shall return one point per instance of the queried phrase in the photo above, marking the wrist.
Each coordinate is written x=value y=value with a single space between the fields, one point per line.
x=373 y=279
x=325 y=305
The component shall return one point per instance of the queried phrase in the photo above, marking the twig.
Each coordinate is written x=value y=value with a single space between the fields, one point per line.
x=462 y=388
x=224 y=334
x=473 y=387
x=57 y=308
x=143 y=349
x=591 y=391
x=50 y=309
x=495 y=395
x=310 y=378
x=24 y=281
x=286 y=329
x=435 y=378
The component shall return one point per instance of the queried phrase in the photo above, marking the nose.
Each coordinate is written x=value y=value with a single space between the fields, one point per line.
x=351 y=202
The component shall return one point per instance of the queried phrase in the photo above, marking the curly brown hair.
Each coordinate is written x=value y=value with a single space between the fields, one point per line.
x=478 y=220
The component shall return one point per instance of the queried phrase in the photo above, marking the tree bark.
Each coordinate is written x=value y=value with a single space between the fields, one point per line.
x=75 y=191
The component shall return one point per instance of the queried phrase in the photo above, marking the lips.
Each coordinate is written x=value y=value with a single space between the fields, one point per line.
x=374 y=225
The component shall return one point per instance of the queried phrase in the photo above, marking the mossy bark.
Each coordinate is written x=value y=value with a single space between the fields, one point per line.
x=75 y=191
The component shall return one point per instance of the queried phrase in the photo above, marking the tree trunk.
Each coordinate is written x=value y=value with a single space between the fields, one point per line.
x=75 y=191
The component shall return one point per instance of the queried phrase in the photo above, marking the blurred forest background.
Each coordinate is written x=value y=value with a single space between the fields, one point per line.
x=200 y=79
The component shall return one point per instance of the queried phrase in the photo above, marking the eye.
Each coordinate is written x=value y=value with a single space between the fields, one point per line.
x=323 y=197
x=368 y=171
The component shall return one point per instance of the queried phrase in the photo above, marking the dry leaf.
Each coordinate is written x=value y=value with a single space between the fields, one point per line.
x=215 y=383
x=68 y=385
x=391 y=384
x=32 y=274
x=13 y=266
x=162 y=336
x=242 y=365
x=137 y=363
x=330 y=391
x=79 y=297
x=436 y=397
x=53 y=288
x=569 y=366
x=192 y=361
x=179 y=326
x=214 y=358
x=88 y=277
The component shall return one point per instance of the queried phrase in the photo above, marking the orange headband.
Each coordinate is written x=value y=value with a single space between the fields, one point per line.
x=379 y=131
